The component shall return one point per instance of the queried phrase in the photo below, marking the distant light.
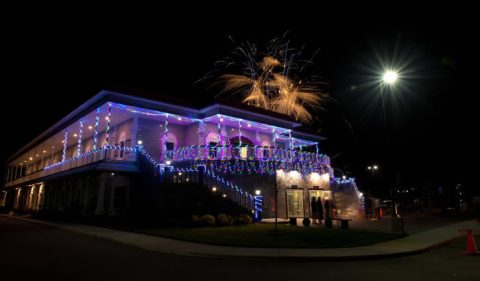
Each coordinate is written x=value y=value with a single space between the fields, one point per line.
x=344 y=177
x=90 y=127
x=375 y=167
x=369 y=167
x=139 y=142
x=390 y=77
x=113 y=174
x=224 y=195
x=326 y=177
x=233 y=129
x=168 y=162
x=179 y=173
x=214 y=189
x=257 y=192
x=63 y=141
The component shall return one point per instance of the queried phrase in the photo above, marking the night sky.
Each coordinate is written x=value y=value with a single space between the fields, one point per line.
x=55 y=61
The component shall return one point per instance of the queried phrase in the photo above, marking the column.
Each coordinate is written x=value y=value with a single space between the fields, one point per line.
x=80 y=135
x=65 y=140
x=99 y=210
x=107 y=129
x=111 y=206
x=86 y=195
x=95 y=132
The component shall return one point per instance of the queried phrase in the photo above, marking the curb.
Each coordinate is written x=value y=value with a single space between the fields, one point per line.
x=166 y=246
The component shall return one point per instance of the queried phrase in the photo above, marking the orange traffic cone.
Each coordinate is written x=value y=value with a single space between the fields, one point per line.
x=471 y=247
x=380 y=213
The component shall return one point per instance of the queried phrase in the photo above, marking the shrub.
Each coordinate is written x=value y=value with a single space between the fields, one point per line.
x=195 y=220
x=224 y=219
x=207 y=220
x=243 y=219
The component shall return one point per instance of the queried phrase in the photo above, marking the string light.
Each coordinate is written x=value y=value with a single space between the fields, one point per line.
x=80 y=134
x=95 y=133
x=65 y=139
x=109 y=117
x=165 y=137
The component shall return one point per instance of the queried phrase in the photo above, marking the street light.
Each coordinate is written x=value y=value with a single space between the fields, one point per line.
x=389 y=78
x=373 y=169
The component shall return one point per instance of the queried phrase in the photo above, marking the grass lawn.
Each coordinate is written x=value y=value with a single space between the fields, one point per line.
x=263 y=235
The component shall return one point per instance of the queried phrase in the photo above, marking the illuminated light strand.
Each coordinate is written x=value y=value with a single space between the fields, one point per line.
x=65 y=139
x=239 y=132
x=107 y=130
x=95 y=134
x=80 y=134
x=165 y=138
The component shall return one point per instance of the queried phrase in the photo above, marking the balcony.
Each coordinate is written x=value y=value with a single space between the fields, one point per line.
x=108 y=154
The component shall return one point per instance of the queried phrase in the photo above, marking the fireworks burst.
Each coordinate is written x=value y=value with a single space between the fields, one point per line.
x=271 y=80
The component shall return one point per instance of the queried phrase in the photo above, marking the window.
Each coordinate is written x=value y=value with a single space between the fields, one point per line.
x=122 y=145
x=170 y=145
x=115 y=151
x=243 y=152
x=212 y=149
x=266 y=153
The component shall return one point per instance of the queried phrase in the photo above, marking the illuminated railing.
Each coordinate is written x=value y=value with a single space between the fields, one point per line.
x=248 y=160
x=198 y=174
x=104 y=153
x=111 y=153
x=205 y=152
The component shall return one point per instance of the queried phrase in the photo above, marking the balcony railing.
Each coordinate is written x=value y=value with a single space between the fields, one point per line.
x=248 y=159
x=114 y=153
x=204 y=152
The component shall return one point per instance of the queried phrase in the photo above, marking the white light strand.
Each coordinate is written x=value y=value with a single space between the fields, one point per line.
x=80 y=134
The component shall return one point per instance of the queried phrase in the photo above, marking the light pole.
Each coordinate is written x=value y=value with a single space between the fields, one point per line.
x=389 y=78
x=373 y=169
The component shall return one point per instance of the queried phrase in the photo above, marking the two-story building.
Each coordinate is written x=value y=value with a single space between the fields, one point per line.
x=85 y=162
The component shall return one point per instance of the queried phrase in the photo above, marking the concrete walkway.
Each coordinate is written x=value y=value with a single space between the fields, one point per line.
x=412 y=244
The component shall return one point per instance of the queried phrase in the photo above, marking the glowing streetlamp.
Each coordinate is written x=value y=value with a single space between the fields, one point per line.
x=390 y=77
x=373 y=169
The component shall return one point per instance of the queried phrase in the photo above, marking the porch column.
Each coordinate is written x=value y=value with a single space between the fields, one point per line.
x=111 y=207
x=80 y=135
x=99 y=210
x=201 y=133
x=202 y=152
x=164 y=139
x=86 y=196
x=9 y=174
x=134 y=135
x=259 y=151
x=65 y=140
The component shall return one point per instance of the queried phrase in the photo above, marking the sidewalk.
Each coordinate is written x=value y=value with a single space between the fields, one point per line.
x=412 y=244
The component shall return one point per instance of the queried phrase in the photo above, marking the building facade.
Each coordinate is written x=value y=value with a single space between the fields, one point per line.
x=87 y=162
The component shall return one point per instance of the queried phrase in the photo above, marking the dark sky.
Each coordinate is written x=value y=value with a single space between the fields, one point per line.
x=54 y=61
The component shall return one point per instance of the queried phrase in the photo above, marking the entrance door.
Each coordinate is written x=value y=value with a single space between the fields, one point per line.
x=315 y=193
x=295 y=203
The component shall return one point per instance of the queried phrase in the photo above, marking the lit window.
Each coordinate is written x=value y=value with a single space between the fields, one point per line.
x=243 y=152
